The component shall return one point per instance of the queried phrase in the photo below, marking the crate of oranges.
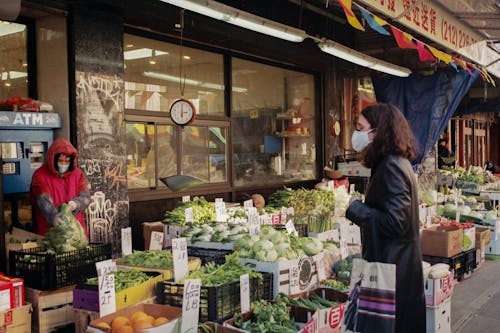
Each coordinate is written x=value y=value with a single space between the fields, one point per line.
x=150 y=318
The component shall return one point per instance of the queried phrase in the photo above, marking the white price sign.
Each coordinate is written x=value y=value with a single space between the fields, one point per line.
x=253 y=222
x=293 y=275
x=189 y=214
x=351 y=189
x=283 y=214
x=106 y=285
x=186 y=198
x=329 y=235
x=248 y=203
x=220 y=211
x=344 y=231
x=457 y=216
x=320 y=267
x=344 y=249
x=290 y=228
x=191 y=305
x=180 y=258
x=126 y=241
x=156 y=241
x=330 y=185
x=245 y=293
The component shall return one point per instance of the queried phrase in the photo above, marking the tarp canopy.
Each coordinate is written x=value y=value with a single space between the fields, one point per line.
x=428 y=102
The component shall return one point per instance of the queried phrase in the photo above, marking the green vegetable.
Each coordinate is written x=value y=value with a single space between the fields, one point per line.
x=268 y=318
x=203 y=212
x=149 y=258
x=124 y=279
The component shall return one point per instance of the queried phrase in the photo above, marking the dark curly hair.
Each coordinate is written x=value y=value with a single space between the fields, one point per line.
x=393 y=135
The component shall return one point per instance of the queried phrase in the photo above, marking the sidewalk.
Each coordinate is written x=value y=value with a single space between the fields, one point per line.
x=475 y=304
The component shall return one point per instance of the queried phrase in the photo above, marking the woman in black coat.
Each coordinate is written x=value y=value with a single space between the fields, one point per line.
x=387 y=145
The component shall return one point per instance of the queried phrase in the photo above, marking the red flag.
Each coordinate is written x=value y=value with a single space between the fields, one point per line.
x=403 y=39
x=423 y=53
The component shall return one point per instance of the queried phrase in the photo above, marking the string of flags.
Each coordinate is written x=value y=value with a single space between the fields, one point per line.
x=405 y=40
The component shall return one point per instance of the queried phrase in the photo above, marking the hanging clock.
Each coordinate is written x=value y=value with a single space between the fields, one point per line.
x=182 y=112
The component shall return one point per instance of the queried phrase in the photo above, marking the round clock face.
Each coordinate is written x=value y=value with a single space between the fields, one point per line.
x=182 y=112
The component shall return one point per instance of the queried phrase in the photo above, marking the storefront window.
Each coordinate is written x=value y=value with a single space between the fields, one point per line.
x=153 y=72
x=13 y=62
x=273 y=124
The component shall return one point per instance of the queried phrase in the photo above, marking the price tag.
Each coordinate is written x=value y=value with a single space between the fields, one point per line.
x=344 y=249
x=284 y=214
x=245 y=293
x=354 y=237
x=189 y=214
x=428 y=221
x=290 y=211
x=290 y=228
x=352 y=189
x=156 y=241
x=220 y=211
x=248 y=203
x=180 y=256
x=126 y=241
x=186 y=198
x=320 y=267
x=327 y=235
x=457 y=216
x=191 y=305
x=330 y=185
x=253 y=222
x=293 y=275
x=219 y=200
x=106 y=285
x=275 y=219
x=344 y=231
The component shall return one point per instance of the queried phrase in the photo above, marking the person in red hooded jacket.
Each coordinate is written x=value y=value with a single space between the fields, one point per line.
x=58 y=181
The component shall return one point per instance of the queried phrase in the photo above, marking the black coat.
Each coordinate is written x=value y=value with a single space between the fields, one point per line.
x=392 y=205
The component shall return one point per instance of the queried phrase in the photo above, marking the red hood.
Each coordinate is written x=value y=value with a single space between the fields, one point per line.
x=60 y=146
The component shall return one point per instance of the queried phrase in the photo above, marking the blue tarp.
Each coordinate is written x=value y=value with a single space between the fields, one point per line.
x=428 y=102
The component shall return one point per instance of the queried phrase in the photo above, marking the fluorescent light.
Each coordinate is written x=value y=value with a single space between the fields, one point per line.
x=242 y=19
x=8 y=28
x=12 y=75
x=172 y=78
x=141 y=53
x=361 y=59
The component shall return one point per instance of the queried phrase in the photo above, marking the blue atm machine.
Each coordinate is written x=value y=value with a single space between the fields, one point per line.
x=24 y=139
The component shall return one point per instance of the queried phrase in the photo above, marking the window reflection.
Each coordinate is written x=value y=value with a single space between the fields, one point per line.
x=13 y=62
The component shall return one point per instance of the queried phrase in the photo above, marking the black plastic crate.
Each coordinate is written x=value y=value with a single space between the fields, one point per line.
x=470 y=260
x=217 y=303
x=301 y=228
x=209 y=255
x=45 y=271
x=457 y=263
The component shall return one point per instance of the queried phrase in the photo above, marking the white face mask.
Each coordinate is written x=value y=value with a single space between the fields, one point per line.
x=62 y=167
x=360 y=140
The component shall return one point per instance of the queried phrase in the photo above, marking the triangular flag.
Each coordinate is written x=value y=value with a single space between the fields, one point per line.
x=454 y=65
x=403 y=39
x=488 y=76
x=462 y=64
x=423 y=53
x=372 y=22
x=351 y=18
x=379 y=20
x=444 y=57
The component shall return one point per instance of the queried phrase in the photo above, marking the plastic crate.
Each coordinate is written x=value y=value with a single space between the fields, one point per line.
x=457 y=263
x=46 y=271
x=302 y=229
x=469 y=260
x=217 y=303
x=209 y=255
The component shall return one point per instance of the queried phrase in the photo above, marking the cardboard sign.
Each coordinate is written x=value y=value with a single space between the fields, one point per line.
x=105 y=267
x=126 y=241
x=180 y=258
x=290 y=228
x=320 y=267
x=294 y=279
x=189 y=214
x=191 y=305
x=156 y=241
x=253 y=222
x=106 y=285
x=245 y=293
x=220 y=211
x=186 y=198
x=352 y=189
x=344 y=249
x=248 y=203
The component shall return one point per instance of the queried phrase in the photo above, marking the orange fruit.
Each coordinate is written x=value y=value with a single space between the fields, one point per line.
x=119 y=321
x=138 y=314
x=103 y=325
x=160 y=320
x=141 y=325
x=151 y=319
x=140 y=321
x=124 y=329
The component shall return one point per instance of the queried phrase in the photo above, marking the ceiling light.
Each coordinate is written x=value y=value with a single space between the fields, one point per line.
x=242 y=19
x=11 y=28
x=12 y=75
x=187 y=57
x=361 y=59
x=172 y=78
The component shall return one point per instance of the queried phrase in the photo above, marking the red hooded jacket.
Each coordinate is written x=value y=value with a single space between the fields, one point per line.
x=55 y=189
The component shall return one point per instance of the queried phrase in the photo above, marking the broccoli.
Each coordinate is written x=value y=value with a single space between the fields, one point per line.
x=67 y=236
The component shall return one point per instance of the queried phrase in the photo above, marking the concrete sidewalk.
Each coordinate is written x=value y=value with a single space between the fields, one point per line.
x=475 y=303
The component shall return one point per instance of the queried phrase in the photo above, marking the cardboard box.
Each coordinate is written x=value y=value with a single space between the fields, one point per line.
x=155 y=310
x=17 y=290
x=6 y=295
x=442 y=241
x=438 y=319
x=148 y=228
x=51 y=308
x=482 y=237
x=87 y=296
x=469 y=239
x=438 y=290
x=16 y=320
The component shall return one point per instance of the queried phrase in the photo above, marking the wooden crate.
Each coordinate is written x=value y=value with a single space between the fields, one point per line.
x=83 y=317
x=51 y=308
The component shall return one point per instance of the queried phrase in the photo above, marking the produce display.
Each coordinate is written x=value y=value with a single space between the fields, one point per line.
x=268 y=318
x=336 y=284
x=215 y=232
x=148 y=258
x=68 y=235
x=203 y=212
x=343 y=268
x=136 y=323
x=124 y=279
x=474 y=174
x=313 y=302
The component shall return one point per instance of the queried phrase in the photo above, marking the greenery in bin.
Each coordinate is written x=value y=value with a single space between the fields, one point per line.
x=203 y=212
x=336 y=284
x=313 y=302
x=216 y=232
x=474 y=174
x=123 y=279
x=148 y=258
x=343 y=268
x=268 y=318
x=212 y=274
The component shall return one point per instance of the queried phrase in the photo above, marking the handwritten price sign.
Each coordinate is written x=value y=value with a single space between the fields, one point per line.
x=245 y=293
x=106 y=285
x=191 y=305
x=156 y=242
x=180 y=258
x=126 y=241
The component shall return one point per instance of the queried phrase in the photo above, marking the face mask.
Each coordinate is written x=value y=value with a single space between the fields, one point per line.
x=360 y=140
x=62 y=167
